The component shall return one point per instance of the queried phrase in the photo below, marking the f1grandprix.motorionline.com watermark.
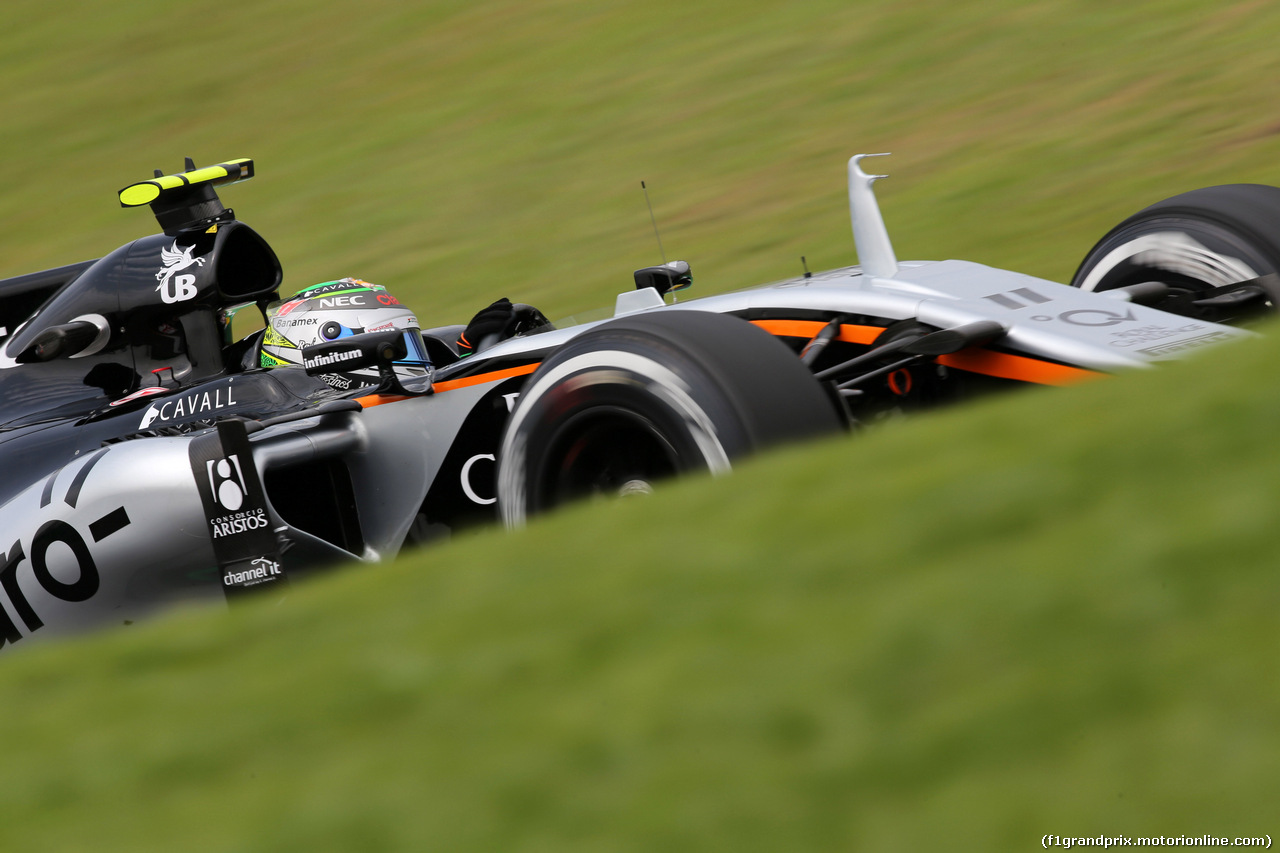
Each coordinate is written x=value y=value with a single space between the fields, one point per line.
x=1048 y=841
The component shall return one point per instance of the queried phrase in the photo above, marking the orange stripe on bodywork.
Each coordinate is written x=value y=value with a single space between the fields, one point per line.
x=1007 y=366
x=974 y=360
x=481 y=378
x=379 y=400
x=452 y=384
x=849 y=333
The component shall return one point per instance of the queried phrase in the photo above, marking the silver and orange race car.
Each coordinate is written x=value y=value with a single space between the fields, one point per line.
x=147 y=455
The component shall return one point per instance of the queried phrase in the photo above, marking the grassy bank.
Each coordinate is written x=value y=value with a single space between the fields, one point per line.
x=1046 y=614
x=975 y=628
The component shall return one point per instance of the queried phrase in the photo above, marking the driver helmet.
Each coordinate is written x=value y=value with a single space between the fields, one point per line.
x=339 y=309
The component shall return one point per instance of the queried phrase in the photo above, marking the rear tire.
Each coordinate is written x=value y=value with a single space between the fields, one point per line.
x=648 y=397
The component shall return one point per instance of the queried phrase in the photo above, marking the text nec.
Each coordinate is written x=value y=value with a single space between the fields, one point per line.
x=341 y=301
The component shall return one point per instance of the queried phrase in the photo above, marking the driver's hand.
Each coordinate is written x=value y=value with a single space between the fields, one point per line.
x=489 y=325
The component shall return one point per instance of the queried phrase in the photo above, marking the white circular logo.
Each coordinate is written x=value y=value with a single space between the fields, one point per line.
x=230 y=493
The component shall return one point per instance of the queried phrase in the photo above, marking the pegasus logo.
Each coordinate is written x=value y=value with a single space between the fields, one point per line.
x=177 y=288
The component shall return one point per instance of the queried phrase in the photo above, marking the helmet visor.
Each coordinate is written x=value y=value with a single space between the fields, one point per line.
x=416 y=350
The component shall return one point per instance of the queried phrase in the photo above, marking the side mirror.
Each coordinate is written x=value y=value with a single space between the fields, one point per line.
x=82 y=336
x=380 y=350
x=373 y=349
x=665 y=278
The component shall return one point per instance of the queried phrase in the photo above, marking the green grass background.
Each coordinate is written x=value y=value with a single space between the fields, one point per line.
x=1052 y=613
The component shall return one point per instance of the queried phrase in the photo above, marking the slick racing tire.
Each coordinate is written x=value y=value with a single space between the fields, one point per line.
x=1194 y=242
x=648 y=397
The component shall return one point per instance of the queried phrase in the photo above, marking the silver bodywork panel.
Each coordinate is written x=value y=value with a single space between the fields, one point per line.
x=1043 y=318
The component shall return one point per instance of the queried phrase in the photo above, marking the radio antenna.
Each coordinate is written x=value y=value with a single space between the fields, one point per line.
x=661 y=250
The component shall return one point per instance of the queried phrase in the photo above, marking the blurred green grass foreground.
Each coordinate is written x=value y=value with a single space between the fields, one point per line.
x=1051 y=613
x=1047 y=613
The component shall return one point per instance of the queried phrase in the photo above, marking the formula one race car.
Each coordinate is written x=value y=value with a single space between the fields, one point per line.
x=147 y=457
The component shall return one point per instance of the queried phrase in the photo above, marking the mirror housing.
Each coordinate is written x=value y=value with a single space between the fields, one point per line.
x=665 y=278
x=380 y=350
x=82 y=336
x=357 y=352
